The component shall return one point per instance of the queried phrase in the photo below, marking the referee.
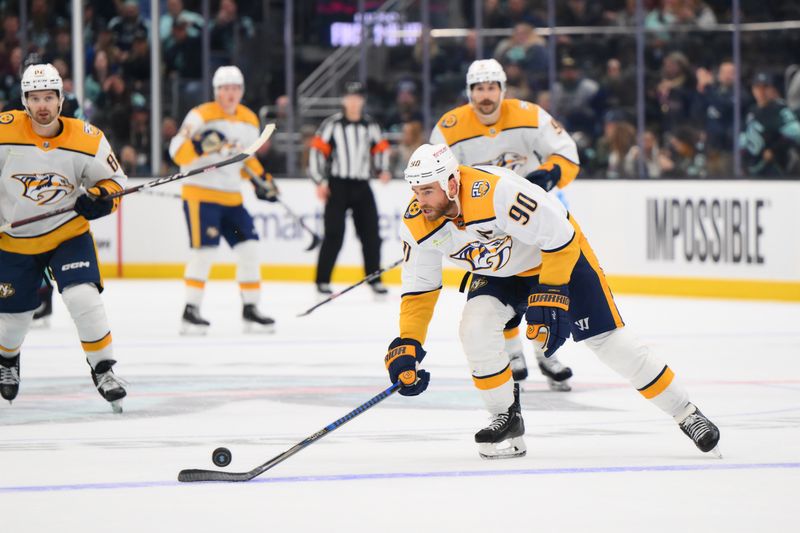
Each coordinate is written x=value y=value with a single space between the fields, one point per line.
x=347 y=150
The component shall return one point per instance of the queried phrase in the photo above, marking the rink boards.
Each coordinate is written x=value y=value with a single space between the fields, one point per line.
x=693 y=238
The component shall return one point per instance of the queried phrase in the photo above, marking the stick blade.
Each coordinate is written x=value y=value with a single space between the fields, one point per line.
x=193 y=474
x=315 y=242
x=264 y=137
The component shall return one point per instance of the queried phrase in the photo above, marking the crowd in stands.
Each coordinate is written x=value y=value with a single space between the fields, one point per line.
x=689 y=79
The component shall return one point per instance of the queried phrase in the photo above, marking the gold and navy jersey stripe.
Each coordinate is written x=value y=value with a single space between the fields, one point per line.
x=461 y=124
x=75 y=136
x=416 y=312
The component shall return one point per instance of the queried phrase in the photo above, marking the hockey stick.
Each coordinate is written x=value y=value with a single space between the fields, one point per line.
x=315 y=239
x=247 y=152
x=217 y=475
x=335 y=295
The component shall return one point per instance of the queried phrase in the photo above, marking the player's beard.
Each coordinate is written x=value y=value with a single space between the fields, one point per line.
x=44 y=117
x=436 y=212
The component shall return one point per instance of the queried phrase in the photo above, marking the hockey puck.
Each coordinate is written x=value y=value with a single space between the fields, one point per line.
x=222 y=457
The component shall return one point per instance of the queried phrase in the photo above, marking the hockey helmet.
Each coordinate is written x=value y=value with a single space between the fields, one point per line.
x=431 y=163
x=41 y=77
x=227 y=75
x=485 y=70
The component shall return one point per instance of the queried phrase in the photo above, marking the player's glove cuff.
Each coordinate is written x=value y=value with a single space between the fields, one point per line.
x=547 y=317
x=401 y=361
x=546 y=179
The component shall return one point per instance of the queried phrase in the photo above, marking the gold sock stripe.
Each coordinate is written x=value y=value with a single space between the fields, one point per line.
x=494 y=380
x=657 y=386
x=195 y=283
x=9 y=351
x=96 y=346
x=249 y=285
x=511 y=332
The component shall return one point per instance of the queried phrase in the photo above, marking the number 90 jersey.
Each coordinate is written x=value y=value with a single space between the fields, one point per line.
x=40 y=174
x=507 y=227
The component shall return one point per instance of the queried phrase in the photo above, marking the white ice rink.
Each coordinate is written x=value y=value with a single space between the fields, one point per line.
x=600 y=458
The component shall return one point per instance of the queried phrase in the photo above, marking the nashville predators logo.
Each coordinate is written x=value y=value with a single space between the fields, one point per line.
x=449 y=121
x=492 y=255
x=6 y=290
x=45 y=189
x=212 y=232
x=480 y=188
x=413 y=210
x=510 y=160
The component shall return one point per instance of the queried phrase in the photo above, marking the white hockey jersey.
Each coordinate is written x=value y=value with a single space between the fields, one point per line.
x=41 y=174
x=524 y=138
x=222 y=186
x=507 y=227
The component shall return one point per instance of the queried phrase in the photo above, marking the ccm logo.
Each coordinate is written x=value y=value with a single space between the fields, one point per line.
x=78 y=264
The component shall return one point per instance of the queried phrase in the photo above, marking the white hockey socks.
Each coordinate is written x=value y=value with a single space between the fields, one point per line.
x=197 y=268
x=86 y=308
x=248 y=271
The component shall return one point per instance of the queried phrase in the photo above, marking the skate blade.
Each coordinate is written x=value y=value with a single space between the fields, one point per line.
x=514 y=447
x=256 y=329
x=379 y=297
x=41 y=323
x=715 y=452
x=559 y=386
x=116 y=406
x=193 y=330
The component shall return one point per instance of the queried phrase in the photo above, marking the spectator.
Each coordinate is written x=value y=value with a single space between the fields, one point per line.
x=528 y=50
x=406 y=107
x=675 y=92
x=619 y=87
x=770 y=142
x=577 y=100
x=183 y=58
x=175 y=10
x=60 y=47
x=99 y=73
x=9 y=84
x=519 y=12
x=128 y=24
x=580 y=13
x=793 y=88
x=714 y=108
x=685 y=155
x=136 y=67
x=228 y=30
x=622 y=158
x=42 y=25
x=516 y=84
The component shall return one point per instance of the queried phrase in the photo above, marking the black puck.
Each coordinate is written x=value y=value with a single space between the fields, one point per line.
x=222 y=457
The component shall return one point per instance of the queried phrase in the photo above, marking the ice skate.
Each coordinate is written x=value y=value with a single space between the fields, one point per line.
x=379 y=290
x=519 y=367
x=9 y=377
x=255 y=322
x=192 y=323
x=557 y=374
x=110 y=387
x=700 y=429
x=502 y=438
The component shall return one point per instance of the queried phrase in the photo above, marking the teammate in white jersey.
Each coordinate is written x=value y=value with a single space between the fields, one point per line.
x=526 y=254
x=522 y=137
x=212 y=203
x=48 y=162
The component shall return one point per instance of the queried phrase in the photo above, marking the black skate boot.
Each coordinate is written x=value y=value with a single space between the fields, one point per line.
x=9 y=377
x=379 y=290
x=700 y=429
x=519 y=367
x=192 y=323
x=41 y=317
x=255 y=322
x=557 y=374
x=110 y=387
x=507 y=426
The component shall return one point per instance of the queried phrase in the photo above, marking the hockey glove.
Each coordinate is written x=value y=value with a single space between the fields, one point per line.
x=208 y=142
x=94 y=203
x=548 y=323
x=265 y=188
x=401 y=361
x=546 y=179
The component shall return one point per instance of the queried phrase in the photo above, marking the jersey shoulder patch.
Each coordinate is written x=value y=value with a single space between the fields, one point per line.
x=419 y=226
x=460 y=124
x=477 y=195
x=11 y=128
x=80 y=136
x=519 y=114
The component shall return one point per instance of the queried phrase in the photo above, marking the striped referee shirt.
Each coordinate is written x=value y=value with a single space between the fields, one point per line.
x=343 y=149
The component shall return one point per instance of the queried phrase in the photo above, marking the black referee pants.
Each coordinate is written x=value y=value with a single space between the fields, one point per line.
x=355 y=195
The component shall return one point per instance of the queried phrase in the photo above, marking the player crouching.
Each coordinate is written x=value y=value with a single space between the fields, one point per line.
x=47 y=162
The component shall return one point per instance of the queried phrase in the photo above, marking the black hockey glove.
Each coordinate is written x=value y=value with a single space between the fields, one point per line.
x=548 y=322
x=401 y=361
x=265 y=188
x=546 y=179
x=94 y=203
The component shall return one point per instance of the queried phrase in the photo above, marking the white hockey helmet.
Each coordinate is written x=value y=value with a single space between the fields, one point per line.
x=484 y=70
x=431 y=163
x=227 y=75
x=41 y=77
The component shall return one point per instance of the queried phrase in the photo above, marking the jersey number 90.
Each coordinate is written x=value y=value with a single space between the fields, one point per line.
x=523 y=208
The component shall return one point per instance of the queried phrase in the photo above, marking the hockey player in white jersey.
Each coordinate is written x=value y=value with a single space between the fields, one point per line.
x=47 y=162
x=526 y=254
x=522 y=137
x=212 y=201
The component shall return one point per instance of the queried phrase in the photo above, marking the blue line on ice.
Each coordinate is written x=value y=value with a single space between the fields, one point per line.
x=416 y=475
